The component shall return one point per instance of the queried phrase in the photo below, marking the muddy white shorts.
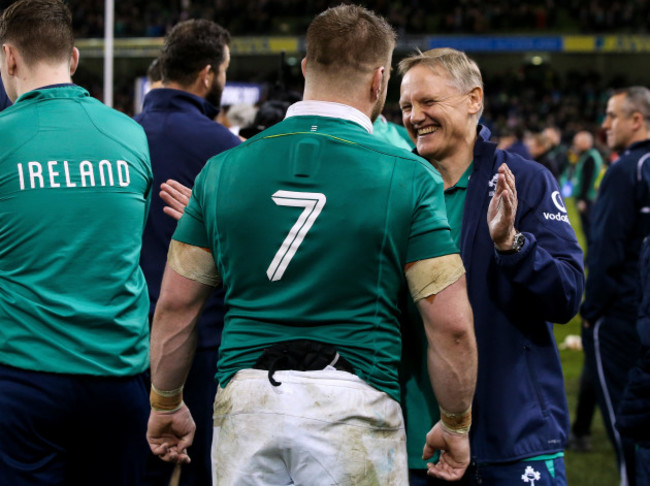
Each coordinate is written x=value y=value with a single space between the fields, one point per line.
x=318 y=428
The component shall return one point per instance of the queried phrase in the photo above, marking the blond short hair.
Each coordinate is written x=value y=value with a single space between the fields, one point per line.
x=349 y=38
x=462 y=71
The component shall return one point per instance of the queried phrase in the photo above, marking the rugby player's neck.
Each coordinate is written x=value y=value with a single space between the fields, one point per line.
x=41 y=75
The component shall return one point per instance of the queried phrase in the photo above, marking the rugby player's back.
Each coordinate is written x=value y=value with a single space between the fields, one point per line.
x=315 y=220
x=75 y=181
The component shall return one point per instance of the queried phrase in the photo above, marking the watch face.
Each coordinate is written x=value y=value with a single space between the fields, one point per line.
x=518 y=242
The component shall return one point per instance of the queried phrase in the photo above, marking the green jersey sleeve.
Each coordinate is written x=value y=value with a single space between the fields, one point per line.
x=430 y=234
x=191 y=227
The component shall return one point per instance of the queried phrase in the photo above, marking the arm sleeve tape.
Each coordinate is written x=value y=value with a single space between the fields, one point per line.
x=193 y=262
x=429 y=277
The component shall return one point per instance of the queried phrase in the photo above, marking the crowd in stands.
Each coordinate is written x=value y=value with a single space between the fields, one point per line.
x=153 y=18
x=530 y=96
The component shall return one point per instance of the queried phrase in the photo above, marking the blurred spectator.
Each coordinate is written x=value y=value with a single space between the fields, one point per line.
x=239 y=116
x=579 y=179
x=557 y=156
x=512 y=140
x=540 y=147
x=270 y=113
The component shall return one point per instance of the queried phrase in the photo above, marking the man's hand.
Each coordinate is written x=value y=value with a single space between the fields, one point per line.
x=502 y=210
x=176 y=196
x=454 y=457
x=169 y=434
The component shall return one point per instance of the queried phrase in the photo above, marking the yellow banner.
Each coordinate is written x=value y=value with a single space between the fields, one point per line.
x=264 y=45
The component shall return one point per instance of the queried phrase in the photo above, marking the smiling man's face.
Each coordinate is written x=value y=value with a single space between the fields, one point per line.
x=435 y=113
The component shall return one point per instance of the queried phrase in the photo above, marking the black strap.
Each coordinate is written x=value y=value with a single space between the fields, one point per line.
x=300 y=355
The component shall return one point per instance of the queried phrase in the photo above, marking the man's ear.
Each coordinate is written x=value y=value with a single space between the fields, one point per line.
x=475 y=100
x=11 y=55
x=638 y=122
x=303 y=66
x=377 y=83
x=205 y=78
x=74 y=61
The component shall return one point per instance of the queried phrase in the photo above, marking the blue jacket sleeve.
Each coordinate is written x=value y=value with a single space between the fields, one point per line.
x=549 y=267
x=4 y=99
x=613 y=220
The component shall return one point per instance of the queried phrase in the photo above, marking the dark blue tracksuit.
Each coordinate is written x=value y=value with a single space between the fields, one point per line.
x=182 y=136
x=620 y=221
x=520 y=408
x=633 y=415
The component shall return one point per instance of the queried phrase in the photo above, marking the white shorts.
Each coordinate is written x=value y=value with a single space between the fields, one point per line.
x=318 y=428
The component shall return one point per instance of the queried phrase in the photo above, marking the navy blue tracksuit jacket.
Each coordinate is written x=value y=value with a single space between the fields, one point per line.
x=619 y=224
x=520 y=408
x=182 y=137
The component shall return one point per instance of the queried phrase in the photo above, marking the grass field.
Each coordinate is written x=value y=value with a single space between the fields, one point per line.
x=598 y=467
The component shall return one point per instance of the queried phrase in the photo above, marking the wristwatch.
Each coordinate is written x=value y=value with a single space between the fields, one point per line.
x=517 y=244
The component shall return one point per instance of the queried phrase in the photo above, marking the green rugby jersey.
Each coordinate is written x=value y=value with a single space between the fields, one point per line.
x=311 y=224
x=75 y=181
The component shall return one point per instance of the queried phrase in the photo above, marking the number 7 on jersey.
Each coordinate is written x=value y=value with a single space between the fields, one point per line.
x=313 y=202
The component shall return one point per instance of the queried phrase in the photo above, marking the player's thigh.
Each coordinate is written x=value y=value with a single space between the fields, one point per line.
x=247 y=444
x=349 y=433
x=322 y=427
x=337 y=453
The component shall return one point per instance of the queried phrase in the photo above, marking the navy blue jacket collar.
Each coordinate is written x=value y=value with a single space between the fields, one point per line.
x=484 y=161
x=167 y=99
x=636 y=145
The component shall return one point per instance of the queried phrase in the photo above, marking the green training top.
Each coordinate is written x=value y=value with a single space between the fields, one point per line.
x=311 y=224
x=75 y=179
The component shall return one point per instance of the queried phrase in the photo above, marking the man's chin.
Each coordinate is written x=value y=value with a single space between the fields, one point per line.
x=425 y=152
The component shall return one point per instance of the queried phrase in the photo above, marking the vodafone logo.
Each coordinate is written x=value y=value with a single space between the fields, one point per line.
x=556 y=217
x=559 y=203
x=557 y=200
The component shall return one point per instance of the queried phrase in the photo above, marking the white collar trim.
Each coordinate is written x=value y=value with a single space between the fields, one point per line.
x=330 y=109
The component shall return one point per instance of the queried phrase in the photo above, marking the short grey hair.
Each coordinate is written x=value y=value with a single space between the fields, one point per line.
x=637 y=99
x=463 y=72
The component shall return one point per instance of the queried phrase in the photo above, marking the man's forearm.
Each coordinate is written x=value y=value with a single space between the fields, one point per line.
x=174 y=331
x=452 y=355
x=452 y=370
x=172 y=350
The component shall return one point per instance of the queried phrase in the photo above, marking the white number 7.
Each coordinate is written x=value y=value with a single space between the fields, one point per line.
x=313 y=203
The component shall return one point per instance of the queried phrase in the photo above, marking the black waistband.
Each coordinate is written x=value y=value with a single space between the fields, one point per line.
x=300 y=355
